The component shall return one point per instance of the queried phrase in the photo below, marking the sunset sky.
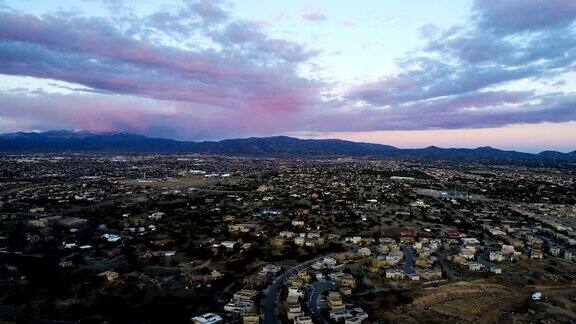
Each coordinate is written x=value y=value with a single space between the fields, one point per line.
x=406 y=73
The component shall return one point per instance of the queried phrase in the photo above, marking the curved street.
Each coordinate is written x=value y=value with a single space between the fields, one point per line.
x=318 y=288
x=272 y=292
x=409 y=260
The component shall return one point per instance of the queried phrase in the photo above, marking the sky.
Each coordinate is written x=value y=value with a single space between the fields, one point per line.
x=409 y=73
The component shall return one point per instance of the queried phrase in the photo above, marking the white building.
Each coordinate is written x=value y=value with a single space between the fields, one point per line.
x=303 y=320
x=208 y=318
x=395 y=274
x=340 y=315
x=157 y=215
x=239 y=306
x=497 y=256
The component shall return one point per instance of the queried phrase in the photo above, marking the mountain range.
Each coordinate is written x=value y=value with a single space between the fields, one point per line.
x=277 y=146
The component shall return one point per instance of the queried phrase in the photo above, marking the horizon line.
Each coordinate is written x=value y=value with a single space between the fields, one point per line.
x=287 y=136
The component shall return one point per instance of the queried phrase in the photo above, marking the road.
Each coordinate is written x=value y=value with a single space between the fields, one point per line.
x=448 y=270
x=272 y=292
x=483 y=259
x=409 y=259
x=318 y=288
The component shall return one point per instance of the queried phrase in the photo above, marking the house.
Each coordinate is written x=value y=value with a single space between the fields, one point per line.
x=568 y=255
x=298 y=223
x=303 y=320
x=304 y=276
x=343 y=279
x=300 y=241
x=364 y=252
x=475 y=266
x=358 y=316
x=555 y=250
x=346 y=291
x=507 y=249
x=229 y=244
x=278 y=242
x=536 y=254
x=395 y=274
x=112 y=237
x=335 y=301
x=110 y=276
x=208 y=318
x=496 y=256
x=270 y=270
x=214 y=275
x=379 y=262
x=295 y=292
x=468 y=252
x=340 y=315
x=239 y=307
x=245 y=294
x=255 y=281
x=286 y=234
x=229 y=218
x=470 y=241
x=156 y=216
x=430 y=274
x=294 y=311
x=250 y=319
x=354 y=240
x=243 y=228
x=329 y=262
x=394 y=257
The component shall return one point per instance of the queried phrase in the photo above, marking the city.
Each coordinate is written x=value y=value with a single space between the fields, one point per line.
x=214 y=239
x=293 y=162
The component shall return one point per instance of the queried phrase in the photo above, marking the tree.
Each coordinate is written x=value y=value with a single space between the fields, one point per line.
x=17 y=238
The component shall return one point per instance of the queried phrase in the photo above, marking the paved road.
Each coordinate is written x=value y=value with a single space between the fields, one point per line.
x=272 y=292
x=318 y=288
x=449 y=271
x=409 y=259
x=483 y=259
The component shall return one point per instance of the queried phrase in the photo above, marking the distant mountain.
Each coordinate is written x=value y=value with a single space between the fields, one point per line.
x=83 y=141
x=278 y=146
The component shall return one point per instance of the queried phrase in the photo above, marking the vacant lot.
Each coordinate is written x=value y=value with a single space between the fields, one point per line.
x=485 y=302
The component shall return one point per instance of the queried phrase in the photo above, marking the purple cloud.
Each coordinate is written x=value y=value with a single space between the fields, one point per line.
x=101 y=112
x=247 y=83
x=349 y=23
x=210 y=11
x=460 y=60
x=513 y=16
x=93 y=53
x=313 y=15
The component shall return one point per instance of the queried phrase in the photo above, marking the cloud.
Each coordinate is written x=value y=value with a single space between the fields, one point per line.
x=210 y=11
x=105 y=112
x=92 y=52
x=475 y=110
x=349 y=23
x=471 y=60
x=251 y=40
x=197 y=72
x=313 y=15
x=513 y=16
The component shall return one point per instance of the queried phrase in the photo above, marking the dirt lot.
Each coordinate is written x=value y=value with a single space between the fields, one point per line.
x=482 y=301
x=175 y=183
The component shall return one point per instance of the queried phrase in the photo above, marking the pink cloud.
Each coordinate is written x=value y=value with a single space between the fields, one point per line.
x=95 y=54
x=349 y=23
x=313 y=15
